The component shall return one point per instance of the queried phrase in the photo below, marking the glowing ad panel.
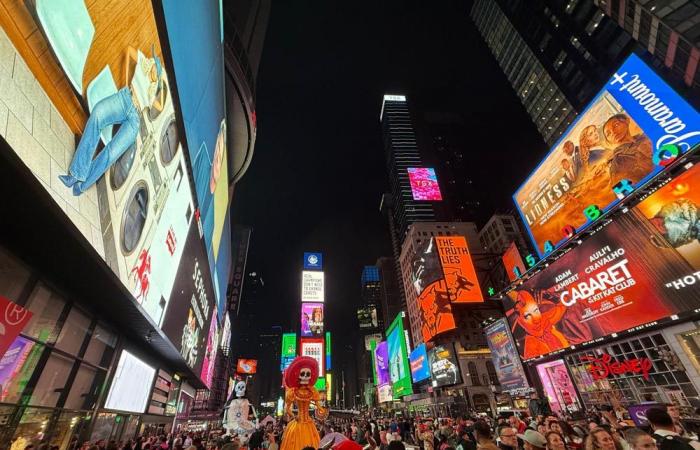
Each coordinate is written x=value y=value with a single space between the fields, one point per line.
x=289 y=350
x=381 y=363
x=625 y=275
x=513 y=262
x=558 y=387
x=312 y=320
x=313 y=261
x=314 y=348
x=636 y=126
x=459 y=275
x=312 y=286
x=420 y=367
x=444 y=368
x=424 y=184
x=212 y=347
x=506 y=360
x=126 y=395
x=399 y=367
x=247 y=366
x=367 y=317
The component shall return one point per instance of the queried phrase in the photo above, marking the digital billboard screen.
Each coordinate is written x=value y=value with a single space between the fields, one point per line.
x=288 y=351
x=420 y=367
x=367 y=317
x=210 y=351
x=381 y=361
x=132 y=201
x=247 y=366
x=630 y=131
x=509 y=369
x=424 y=184
x=125 y=394
x=377 y=337
x=384 y=393
x=313 y=347
x=444 y=367
x=558 y=387
x=312 y=289
x=399 y=367
x=458 y=270
x=312 y=319
x=513 y=262
x=313 y=261
x=618 y=279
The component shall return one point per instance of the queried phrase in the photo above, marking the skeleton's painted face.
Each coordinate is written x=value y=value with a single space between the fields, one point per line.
x=304 y=377
x=239 y=388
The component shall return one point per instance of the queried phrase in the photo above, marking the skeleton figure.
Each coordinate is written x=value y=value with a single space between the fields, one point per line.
x=299 y=380
x=237 y=412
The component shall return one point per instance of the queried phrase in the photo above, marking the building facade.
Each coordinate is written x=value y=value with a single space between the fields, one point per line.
x=497 y=234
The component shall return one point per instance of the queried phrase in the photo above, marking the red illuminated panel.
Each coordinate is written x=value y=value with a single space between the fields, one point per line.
x=424 y=184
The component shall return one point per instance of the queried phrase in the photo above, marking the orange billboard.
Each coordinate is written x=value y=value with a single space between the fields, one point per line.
x=513 y=262
x=247 y=366
x=458 y=270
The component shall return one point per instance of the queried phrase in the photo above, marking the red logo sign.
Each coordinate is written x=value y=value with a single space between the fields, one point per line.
x=13 y=319
x=604 y=366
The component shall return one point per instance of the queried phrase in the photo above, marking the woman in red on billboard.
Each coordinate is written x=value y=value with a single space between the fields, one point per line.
x=541 y=336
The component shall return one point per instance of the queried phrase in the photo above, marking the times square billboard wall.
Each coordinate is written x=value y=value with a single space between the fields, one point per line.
x=89 y=68
x=638 y=270
x=631 y=130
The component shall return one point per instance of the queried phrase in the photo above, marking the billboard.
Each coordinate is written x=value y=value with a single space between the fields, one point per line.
x=458 y=269
x=247 y=366
x=634 y=127
x=85 y=70
x=384 y=393
x=313 y=261
x=367 y=317
x=444 y=367
x=312 y=320
x=513 y=262
x=289 y=350
x=372 y=337
x=558 y=387
x=620 y=278
x=509 y=369
x=124 y=394
x=312 y=286
x=210 y=351
x=424 y=184
x=313 y=347
x=420 y=367
x=399 y=368
x=381 y=364
x=328 y=350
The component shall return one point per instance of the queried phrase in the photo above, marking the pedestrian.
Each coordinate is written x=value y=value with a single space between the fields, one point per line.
x=555 y=441
x=464 y=442
x=533 y=440
x=667 y=438
x=601 y=439
x=396 y=445
x=507 y=438
x=483 y=436
x=640 y=440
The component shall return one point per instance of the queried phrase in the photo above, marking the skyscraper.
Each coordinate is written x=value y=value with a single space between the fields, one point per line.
x=390 y=289
x=555 y=54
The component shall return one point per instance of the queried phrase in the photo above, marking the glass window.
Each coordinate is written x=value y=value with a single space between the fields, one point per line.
x=85 y=387
x=101 y=347
x=68 y=427
x=103 y=426
x=16 y=367
x=52 y=380
x=32 y=427
x=46 y=307
x=73 y=333
x=13 y=277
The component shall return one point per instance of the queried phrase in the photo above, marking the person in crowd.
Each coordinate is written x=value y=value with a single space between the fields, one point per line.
x=507 y=438
x=464 y=443
x=639 y=439
x=396 y=445
x=601 y=439
x=483 y=436
x=555 y=441
x=667 y=438
x=533 y=440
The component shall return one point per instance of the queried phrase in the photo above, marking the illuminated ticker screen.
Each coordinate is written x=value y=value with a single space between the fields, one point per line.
x=424 y=184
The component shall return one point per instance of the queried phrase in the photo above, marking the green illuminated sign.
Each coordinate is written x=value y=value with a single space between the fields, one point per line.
x=320 y=384
x=373 y=358
x=328 y=343
x=289 y=344
x=399 y=367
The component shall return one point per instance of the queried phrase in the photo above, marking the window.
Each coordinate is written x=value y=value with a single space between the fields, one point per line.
x=52 y=380
x=101 y=347
x=85 y=388
x=73 y=333
x=473 y=373
x=492 y=372
x=594 y=23
x=46 y=307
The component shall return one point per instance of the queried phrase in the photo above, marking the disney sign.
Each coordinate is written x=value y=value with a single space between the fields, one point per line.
x=603 y=366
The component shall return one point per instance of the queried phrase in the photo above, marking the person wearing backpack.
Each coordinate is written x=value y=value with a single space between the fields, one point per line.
x=665 y=433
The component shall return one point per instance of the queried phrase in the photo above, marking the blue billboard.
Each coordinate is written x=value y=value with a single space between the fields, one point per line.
x=420 y=368
x=632 y=130
x=313 y=261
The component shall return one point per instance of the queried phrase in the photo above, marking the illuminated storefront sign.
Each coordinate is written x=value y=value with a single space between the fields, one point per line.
x=604 y=365
x=289 y=350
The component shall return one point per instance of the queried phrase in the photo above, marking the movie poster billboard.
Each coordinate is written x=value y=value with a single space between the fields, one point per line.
x=312 y=320
x=506 y=361
x=420 y=367
x=458 y=270
x=513 y=262
x=559 y=388
x=618 y=279
x=630 y=131
x=424 y=184
x=399 y=367
x=444 y=368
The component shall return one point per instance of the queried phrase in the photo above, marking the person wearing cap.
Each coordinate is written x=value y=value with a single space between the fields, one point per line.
x=533 y=440
x=124 y=108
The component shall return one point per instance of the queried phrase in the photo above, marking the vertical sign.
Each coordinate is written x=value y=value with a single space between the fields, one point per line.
x=13 y=319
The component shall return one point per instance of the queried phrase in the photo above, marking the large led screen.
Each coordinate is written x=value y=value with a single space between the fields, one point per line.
x=313 y=347
x=312 y=286
x=420 y=367
x=288 y=351
x=558 y=387
x=247 y=366
x=381 y=361
x=424 y=184
x=399 y=367
x=458 y=270
x=131 y=385
x=367 y=317
x=630 y=131
x=506 y=361
x=210 y=351
x=92 y=113
x=312 y=319
x=513 y=262
x=444 y=368
x=618 y=279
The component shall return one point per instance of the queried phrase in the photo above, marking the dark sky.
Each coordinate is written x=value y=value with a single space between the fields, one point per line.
x=318 y=172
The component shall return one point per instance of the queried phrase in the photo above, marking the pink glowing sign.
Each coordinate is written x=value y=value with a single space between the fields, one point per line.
x=424 y=184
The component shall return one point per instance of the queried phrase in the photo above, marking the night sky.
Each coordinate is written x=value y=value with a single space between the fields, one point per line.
x=318 y=171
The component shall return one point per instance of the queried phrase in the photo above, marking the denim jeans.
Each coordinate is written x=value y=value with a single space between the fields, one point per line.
x=115 y=109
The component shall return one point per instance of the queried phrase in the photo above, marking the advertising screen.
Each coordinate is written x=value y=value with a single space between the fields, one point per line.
x=384 y=393
x=311 y=319
x=459 y=275
x=399 y=367
x=247 y=366
x=618 y=279
x=381 y=361
x=226 y=331
x=126 y=395
x=367 y=317
x=377 y=337
x=103 y=73
x=328 y=350
x=424 y=184
x=289 y=350
x=513 y=262
x=313 y=261
x=506 y=360
x=558 y=387
x=420 y=367
x=629 y=132
x=312 y=286
x=314 y=348
x=444 y=367
x=210 y=352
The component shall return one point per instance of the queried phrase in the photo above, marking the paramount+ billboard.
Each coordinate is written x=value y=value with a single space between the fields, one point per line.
x=638 y=270
x=634 y=128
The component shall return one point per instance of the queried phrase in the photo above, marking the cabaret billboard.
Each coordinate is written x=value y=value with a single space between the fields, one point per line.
x=634 y=128
x=636 y=271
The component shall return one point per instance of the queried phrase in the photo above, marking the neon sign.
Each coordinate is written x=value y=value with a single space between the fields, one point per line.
x=604 y=366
